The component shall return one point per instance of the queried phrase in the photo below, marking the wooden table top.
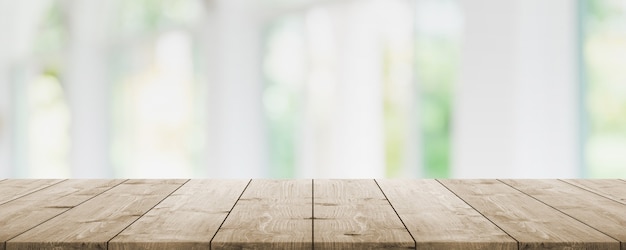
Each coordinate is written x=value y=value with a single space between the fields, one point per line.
x=307 y=214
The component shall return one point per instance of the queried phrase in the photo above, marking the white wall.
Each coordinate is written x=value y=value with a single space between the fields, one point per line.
x=341 y=129
x=5 y=96
x=87 y=89
x=515 y=112
x=357 y=125
x=5 y=120
x=237 y=143
x=18 y=22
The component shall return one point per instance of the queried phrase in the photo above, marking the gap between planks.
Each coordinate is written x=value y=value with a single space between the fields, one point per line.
x=609 y=188
x=566 y=203
x=24 y=187
x=95 y=221
x=38 y=215
x=478 y=211
x=354 y=214
x=313 y=206
x=395 y=211
x=312 y=213
x=176 y=189
x=271 y=214
x=533 y=224
x=188 y=218
x=334 y=192
x=231 y=209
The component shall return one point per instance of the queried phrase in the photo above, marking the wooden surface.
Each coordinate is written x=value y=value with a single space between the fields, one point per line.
x=13 y=189
x=532 y=223
x=354 y=214
x=604 y=215
x=312 y=214
x=92 y=224
x=612 y=189
x=271 y=214
x=438 y=219
x=187 y=219
x=18 y=216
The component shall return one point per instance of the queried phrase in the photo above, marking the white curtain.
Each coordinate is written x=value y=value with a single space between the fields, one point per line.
x=515 y=104
x=18 y=25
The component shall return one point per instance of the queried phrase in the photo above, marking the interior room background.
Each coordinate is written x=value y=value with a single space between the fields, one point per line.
x=312 y=88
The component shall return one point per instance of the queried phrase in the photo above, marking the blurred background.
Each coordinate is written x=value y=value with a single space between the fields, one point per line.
x=312 y=88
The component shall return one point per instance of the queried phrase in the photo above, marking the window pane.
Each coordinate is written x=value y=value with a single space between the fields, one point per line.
x=322 y=73
x=605 y=60
x=438 y=43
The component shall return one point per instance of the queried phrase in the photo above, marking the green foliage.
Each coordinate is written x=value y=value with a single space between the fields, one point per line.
x=604 y=44
x=52 y=33
x=603 y=10
x=436 y=66
x=281 y=104
x=151 y=15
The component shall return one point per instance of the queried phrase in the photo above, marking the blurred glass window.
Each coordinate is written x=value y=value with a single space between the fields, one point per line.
x=604 y=55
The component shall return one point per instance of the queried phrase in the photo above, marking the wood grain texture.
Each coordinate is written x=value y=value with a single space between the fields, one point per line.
x=187 y=219
x=533 y=224
x=610 y=188
x=93 y=223
x=605 y=215
x=354 y=214
x=438 y=219
x=305 y=214
x=20 y=215
x=271 y=214
x=15 y=188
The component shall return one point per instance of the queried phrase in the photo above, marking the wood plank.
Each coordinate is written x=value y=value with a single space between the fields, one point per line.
x=187 y=219
x=533 y=224
x=271 y=214
x=22 y=214
x=610 y=188
x=93 y=223
x=438 y=219
x=15 y=188
x=354 y=214
x=605 y=215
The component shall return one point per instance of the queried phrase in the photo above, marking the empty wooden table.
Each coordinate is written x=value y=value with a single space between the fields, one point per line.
x=312 y=214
